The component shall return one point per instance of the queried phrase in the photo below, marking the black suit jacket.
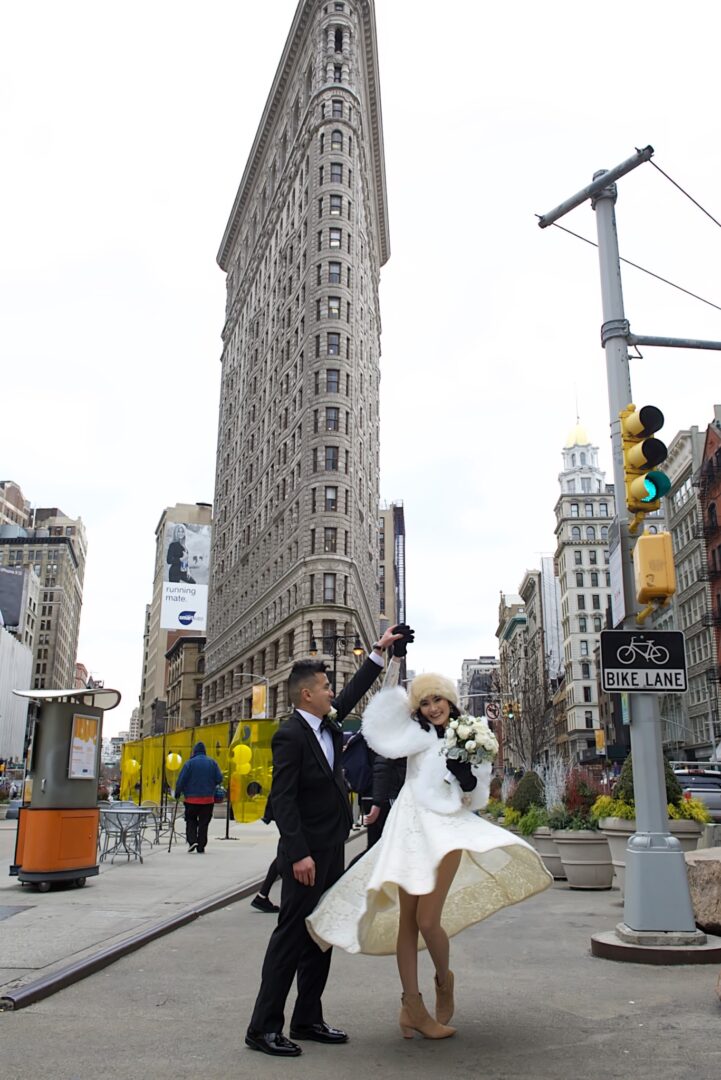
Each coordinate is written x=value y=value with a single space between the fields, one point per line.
x=309 y=799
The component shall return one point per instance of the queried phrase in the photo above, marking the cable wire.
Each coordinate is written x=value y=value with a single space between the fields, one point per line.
x=684 y=192
x=641 y=268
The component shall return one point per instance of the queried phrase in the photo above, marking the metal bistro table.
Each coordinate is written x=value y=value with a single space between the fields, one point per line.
x=121 y=831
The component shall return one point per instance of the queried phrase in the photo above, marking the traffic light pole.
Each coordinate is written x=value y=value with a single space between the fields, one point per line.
x=657 y=900
x=656 y=888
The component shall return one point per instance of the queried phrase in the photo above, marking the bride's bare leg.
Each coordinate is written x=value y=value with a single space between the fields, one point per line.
x=407 y=944
x=428 y=914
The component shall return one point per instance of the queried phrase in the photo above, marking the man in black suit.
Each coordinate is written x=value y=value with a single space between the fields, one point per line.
x=311 y=810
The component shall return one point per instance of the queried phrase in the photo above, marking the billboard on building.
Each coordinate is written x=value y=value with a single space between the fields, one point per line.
x=186 y=567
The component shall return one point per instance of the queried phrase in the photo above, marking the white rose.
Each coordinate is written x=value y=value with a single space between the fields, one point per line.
x=463 y=731
x=451 y=738
x=453 y=724
x=471 y=745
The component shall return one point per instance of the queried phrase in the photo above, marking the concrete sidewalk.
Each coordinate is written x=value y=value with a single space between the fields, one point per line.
x=40 y=933
x=532 y=1004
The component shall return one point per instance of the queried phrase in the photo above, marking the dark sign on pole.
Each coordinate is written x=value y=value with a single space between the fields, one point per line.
x=650 y=662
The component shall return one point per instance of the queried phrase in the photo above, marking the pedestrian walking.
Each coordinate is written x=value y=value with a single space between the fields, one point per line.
x=198 y=779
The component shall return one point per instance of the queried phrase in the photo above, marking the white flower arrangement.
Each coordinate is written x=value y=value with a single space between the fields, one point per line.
x=470 y=739
x=332 y=714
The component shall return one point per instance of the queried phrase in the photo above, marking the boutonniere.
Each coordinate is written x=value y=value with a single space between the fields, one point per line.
x=332 y=714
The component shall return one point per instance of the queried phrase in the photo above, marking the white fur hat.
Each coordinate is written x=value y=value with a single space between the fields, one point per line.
x=430 y=683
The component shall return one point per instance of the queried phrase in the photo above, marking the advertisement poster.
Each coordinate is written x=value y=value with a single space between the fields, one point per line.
x=186 y=569
x=83 y=747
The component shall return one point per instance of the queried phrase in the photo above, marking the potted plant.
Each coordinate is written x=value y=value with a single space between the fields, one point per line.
x=583 y=848
x=616 y=816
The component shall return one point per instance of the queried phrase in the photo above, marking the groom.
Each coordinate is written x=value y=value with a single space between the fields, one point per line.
x=311 y=810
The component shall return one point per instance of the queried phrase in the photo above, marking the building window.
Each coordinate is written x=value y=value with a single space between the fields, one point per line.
x=335 y=238
x=585 y=671
x=337 y=109
x=596 y=602
x=588 y=509
x=336 y=172
x=574 y=510
x=330 y=539
x=584 y=647
x=334 y=307
x=334 y=271
x=578 y=558
x=587 y=693
x=336 y=140
x=331 y=459
x=337 y=73
x=597 y=625
x=603 y=509
x=336 y=205
x=593 y=557
x=590 y=532
x=582 y=624
x=312 y=541
x=579 y=579
x=314 y=459
x=589 y=718
x=332 y=418
x=332 y=377
x=575 y=533
x=334 y=345
x=581 y=603
x=331 y=498
x=329 y=588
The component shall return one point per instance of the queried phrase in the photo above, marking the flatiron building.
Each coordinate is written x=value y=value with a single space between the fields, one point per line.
x=295 y=540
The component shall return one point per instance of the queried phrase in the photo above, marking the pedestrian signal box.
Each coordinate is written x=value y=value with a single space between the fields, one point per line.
x=653 y=567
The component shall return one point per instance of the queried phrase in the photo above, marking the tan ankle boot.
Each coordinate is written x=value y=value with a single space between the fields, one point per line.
x=444 y=998
x=415 y=1017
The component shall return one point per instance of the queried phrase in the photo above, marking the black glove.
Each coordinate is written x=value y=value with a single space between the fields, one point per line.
x=400 y=646
x=462 y=772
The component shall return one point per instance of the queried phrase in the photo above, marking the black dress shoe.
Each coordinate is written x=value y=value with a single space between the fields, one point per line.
x=262 y=903
x=321 y=1032
x=271 y=1042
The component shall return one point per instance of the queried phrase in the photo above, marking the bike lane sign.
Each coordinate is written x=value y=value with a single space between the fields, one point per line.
x=643 y=663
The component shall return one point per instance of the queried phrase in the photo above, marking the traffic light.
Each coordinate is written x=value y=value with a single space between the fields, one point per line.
x=645 y=485
x=653 y=567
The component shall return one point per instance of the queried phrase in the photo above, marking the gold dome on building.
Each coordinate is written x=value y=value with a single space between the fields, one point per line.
x=578 y=437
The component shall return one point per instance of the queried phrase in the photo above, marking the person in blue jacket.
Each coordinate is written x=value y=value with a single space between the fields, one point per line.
x=198 y=779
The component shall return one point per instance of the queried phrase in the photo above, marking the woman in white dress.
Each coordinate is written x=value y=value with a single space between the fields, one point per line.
x=438 y=866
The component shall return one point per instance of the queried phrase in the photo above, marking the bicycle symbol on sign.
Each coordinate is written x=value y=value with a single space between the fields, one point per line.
x=646 y=650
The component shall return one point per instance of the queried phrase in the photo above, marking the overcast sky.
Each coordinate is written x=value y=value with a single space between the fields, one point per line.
x=125 y=128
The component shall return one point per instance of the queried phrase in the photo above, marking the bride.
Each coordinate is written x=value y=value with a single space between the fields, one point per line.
x=438 y=867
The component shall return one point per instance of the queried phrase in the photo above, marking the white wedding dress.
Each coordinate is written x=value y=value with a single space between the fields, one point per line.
x=430 y=818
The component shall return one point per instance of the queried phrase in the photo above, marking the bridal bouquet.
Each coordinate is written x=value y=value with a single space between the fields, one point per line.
x=470 y=739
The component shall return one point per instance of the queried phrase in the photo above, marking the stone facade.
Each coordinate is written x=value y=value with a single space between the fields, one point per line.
x=186 y=666
x=54 y=548
x=295 y=542
x=584 y=512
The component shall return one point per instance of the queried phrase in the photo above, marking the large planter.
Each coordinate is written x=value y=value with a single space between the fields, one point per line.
x=586 y=858
x=545 y=845
x=617 y=831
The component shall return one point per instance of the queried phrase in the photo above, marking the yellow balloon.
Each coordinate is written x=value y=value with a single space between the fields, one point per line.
x=133 y=767
x=244 y=768
x=242 y=753
x=174 y=761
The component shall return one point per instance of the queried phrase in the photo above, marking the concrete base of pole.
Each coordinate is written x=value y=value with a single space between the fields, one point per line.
x=656 y=893
x=654 y=947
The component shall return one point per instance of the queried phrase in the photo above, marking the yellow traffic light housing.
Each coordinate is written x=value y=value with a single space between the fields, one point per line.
x=645 y=486
x=653 y=567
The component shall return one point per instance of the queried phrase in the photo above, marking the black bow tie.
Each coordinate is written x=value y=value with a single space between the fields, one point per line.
x=326 y=724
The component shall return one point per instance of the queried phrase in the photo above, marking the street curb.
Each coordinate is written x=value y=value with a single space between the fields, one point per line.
x=41 y=988
x=28 y=994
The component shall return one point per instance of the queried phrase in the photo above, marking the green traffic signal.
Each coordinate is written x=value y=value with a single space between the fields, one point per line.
x=657 y=485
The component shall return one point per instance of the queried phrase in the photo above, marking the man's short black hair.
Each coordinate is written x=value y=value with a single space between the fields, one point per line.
x=303 y=673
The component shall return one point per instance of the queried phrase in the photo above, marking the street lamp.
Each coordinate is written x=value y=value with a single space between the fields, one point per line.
x=340 y=643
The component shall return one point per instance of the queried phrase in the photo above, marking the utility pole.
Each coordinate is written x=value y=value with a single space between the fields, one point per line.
x=657 y=906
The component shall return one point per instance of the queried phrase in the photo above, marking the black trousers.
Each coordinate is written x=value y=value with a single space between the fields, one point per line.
x=270 y=878
x=292 y=952
x=197 y=820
